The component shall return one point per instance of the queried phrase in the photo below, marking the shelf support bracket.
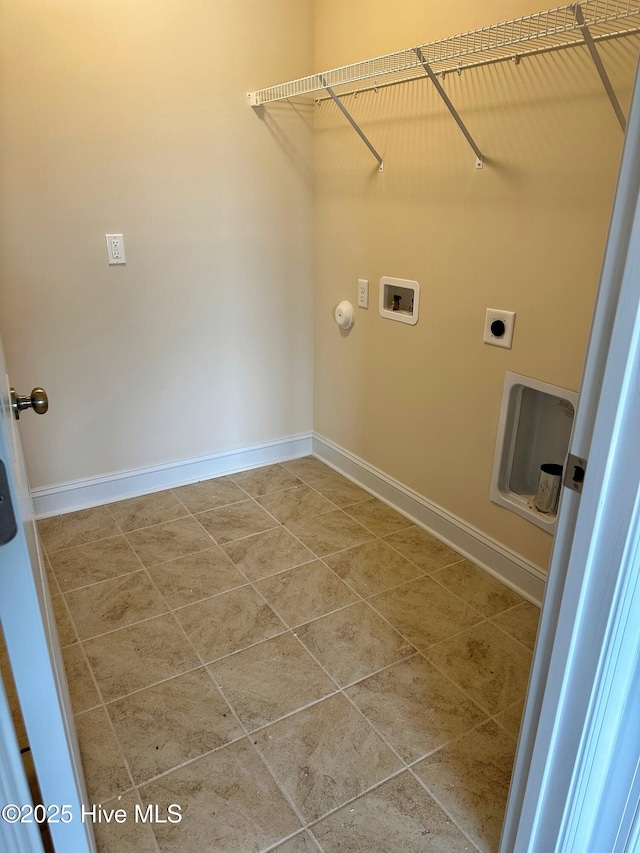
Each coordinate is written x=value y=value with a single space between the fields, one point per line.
x=597 y=61
x=352 y=122
x=450 y=107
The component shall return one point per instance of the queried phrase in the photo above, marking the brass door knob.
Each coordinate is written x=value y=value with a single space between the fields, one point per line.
x=37 y=400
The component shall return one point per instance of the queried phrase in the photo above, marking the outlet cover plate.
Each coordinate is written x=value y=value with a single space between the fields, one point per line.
x=115 y=249
x=363 y=293
x=508 y=318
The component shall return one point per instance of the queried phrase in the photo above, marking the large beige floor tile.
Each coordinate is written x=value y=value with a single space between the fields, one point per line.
x=236 y=521
x=140 y=655
x=129 y=835
x=196 y=576
x=396 y=816
x=112 y=604
x=372 y=568
x=95 y=562
x=168 y=541
x=489 y=666
x=424 y=612
x=267 y=553
x=229 y=803
x=294 y=504
x=307 y=468
x=521 y=622
x=271 y=679
x=305 y=592
x=377 y=517
x=471 y=777
x=477 y=588
x=275 y=614
x=147 y=510
x=353 y=643
x=262 y=481
x=424 y=550
x=210 y=494
x=337 y=489
x=329 y=532
x=105 y=770
x=325 y=755
x=228 y=623
x=77 y=528
x=415 y=707
x=170 y=723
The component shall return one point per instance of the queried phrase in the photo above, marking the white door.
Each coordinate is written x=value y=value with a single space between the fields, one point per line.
x=576 y=785
x=14 y=789
x=32 y=643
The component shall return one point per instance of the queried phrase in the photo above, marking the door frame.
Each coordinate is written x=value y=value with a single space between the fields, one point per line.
x=576 y=770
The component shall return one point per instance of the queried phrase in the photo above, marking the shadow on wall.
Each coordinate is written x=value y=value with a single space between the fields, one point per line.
x=279 y=118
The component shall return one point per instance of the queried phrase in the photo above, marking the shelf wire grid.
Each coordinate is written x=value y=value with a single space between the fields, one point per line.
x=537 y=33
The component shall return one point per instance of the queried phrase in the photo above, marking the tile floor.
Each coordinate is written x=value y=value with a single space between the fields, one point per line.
x=293 y=663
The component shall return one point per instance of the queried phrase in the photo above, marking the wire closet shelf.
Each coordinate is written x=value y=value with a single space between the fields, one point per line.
x=538 y=33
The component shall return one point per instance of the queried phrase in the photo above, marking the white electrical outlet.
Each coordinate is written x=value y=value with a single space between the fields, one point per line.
x=115 y=248
x=498 y=327
x=363 y=293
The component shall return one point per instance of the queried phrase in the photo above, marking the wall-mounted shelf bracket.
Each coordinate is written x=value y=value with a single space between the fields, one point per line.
x=584 y=22
x=597 y=61
x=450 y=107
x=352 y=122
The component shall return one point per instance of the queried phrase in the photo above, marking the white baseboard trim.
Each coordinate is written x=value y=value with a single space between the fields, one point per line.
x=504 y=564
x=94 y=491
x=521 y=575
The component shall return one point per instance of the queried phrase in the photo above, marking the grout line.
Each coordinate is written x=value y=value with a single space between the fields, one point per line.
x=298 y=834
x=387 y=539
x=93 y=677
x=119 y=698
x=117 y=740
x=490 y=714
x=502 y=712
x=516 y=606
x=84 y=544
x=71 y=621
x=102 y=580
x=511 y=636
x=445 y=811
x=183 y=764
x=124 y=627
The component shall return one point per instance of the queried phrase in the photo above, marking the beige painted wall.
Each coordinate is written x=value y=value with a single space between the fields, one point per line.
x=526 y=234
x=131 y=117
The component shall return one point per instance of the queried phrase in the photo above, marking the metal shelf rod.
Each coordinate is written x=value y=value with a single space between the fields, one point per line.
x=450 y=107
x=353 y=123
x=597 y=61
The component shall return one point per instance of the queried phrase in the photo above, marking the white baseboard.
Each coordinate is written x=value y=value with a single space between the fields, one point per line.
x=95 y=491
x=504 y=564
x=510 y=568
